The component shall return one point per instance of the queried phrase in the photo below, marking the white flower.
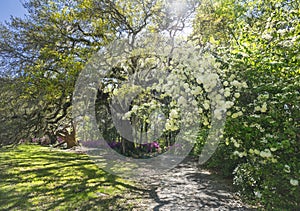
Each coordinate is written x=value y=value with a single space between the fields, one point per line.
x=227 y=92
x=256 y=151
x=236 y=144
x=287 y=43
x=281 y=31
x=134 y=108
x=170 y=83
x=115 y=92
x=240 y=154
x=197 y=91
x=174 y=114
x=266 y=153
x=245 y=85
x=206 y=105
x=231 y=77
x=199 y=80
x=186 y=86
x=194 y=103
x=287 y=169
x=229 y=104
x=235 y=83
x=294 y=182
x=257 y=108
x=237 y=95
x=225 y=83
x=127 y=115
x=218 y=97
x=218 y=114
x=267 y=36
x=235 y=115
x=181 y=101
x=205 y=123
x=170 y=125
x=264 y=108
x=257 y=194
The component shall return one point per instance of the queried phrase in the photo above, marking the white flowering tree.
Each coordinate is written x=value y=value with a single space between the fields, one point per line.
x=257 y=42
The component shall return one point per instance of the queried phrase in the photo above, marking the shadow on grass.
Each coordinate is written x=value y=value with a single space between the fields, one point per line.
x=36 y=178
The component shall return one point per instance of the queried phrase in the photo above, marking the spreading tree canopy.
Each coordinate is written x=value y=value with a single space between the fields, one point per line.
x=43 y=53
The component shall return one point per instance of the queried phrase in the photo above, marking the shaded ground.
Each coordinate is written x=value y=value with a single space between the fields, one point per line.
x=37 y=178
x=186 y=187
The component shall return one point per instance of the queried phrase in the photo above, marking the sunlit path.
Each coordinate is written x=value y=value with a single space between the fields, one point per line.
x=187 y=187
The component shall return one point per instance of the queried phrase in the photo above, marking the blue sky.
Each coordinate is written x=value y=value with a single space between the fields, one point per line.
x=11 y=7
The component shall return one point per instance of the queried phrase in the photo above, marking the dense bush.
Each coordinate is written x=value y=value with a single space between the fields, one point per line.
x=261 y=148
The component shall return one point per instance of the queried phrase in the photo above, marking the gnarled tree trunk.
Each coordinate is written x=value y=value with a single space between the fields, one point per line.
x=68 y=137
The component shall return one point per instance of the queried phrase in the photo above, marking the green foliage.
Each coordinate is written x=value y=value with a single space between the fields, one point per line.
x=45 y=52
x=262 y=144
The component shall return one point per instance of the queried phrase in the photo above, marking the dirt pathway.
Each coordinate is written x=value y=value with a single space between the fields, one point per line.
x=186 y=187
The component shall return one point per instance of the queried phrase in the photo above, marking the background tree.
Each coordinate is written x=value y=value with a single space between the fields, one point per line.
x=46 y=50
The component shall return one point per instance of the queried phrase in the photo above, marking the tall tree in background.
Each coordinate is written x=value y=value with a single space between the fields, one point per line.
x=43 y=53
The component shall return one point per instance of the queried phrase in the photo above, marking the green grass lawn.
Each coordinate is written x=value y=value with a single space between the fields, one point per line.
x=36 y=178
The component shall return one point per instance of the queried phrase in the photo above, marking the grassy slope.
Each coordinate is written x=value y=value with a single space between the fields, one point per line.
x=35 y=178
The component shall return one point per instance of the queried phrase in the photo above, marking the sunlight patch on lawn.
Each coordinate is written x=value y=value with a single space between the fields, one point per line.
x=37 y=178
